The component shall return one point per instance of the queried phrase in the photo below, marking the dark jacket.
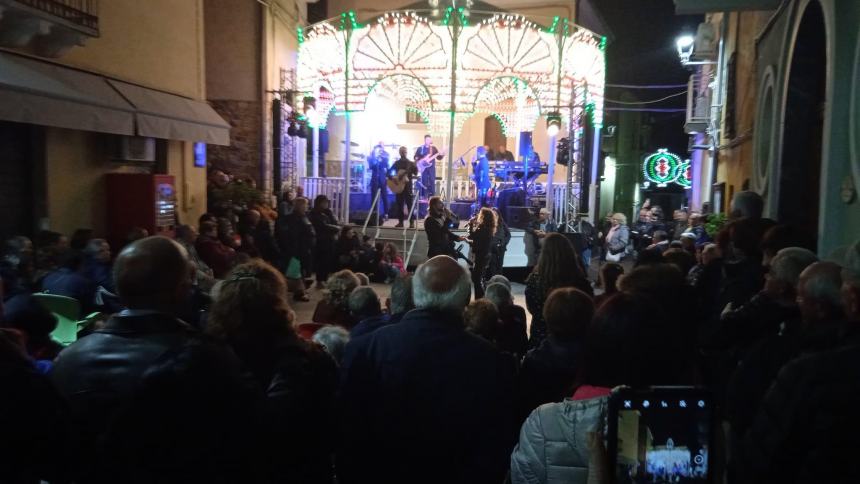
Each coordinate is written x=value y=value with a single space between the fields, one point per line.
x=759 y=367
x=548 y=375
x=536 y=293
x=259 y=242
x=215 y=254
x=512 y=336
x=100 y=273
x=300 y=379
x=101 y=374
x=66 y=282
x=482 y=241
x=806 y=429
x=32 y=418
x=369 y=325
x=325 y=226
x=440 y=240
x=434 y=400
x=296 y=238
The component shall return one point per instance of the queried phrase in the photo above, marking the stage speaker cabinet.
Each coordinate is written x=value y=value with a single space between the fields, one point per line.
x=518 y=217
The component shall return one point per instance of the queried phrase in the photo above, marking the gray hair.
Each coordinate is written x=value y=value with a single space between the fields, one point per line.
x=851 y=266
x=453 y=300
x=500 y=279
x=364 y=302
x=333 y=339
x=788 y=263
x=401 y=294
x=498 y=294
x=822 y=282
x=747 y=204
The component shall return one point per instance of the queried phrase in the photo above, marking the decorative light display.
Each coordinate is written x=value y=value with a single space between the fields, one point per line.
x=350 y=60
x=662 y=167
x=685 y=175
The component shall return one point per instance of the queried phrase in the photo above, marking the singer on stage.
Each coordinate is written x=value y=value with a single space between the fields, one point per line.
x=481 y=169
x=377 y=163
x=437 y=225
x=427 y=154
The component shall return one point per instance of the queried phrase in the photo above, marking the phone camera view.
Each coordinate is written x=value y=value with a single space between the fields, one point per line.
x=662 y=441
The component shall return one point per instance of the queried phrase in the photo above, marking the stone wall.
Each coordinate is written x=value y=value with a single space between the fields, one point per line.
x=243 y=157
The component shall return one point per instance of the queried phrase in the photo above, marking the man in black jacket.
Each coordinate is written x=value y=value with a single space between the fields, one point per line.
x=100 y=375
x=806 y=429
x=326 y=229
x=440 y=240
x=423 y=400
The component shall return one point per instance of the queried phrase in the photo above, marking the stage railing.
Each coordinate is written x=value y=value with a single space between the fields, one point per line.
x=460 y=189
x=559 y=201
x=332 y=187
x=374 y=209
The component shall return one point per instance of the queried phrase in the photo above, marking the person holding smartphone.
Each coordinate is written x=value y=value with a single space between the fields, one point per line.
x=628 y=343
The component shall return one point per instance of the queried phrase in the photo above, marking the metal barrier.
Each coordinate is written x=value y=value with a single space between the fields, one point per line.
x=332 y=187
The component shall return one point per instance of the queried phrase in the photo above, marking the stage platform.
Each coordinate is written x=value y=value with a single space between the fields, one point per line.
x=402 y=238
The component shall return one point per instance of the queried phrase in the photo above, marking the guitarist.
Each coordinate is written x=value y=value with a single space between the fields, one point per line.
x=404 y=167
x=427 y=154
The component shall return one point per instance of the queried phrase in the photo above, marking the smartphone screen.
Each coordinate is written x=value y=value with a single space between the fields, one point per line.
x=661 y=435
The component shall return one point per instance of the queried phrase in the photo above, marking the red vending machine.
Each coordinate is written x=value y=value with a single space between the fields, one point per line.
x=139 y=200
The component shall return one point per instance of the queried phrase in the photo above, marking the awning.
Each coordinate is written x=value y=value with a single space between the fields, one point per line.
x=47 y=94
x=162 y=115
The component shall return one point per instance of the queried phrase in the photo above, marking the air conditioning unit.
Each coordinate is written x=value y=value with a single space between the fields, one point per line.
x=134 y=148
x=706 y=43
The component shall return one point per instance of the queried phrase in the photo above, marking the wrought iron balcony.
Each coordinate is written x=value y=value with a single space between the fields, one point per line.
x=48 y=27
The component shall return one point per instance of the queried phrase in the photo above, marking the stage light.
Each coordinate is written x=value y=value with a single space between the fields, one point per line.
x=553 y=124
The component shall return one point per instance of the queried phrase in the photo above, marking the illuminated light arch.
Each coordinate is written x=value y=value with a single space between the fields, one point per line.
x=406 y=89
x=685 y=175
x=662 y=167
x=553 y=61
x=512 y=101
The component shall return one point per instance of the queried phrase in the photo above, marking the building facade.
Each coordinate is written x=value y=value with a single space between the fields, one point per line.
x=796 y=78
x=123 y=93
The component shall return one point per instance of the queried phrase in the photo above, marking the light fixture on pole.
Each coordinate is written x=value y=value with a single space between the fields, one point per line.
x=685 y=45
x=553 y=123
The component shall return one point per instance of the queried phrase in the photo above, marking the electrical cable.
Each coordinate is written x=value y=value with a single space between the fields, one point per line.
x=615 y=101
x=647 y=86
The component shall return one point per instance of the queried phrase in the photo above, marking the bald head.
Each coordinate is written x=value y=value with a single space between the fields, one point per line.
x=818 y=293
x=851 y=282
x=152 y=273
x=441 y=284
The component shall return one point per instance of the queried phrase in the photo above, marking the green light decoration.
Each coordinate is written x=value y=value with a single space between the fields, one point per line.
x=685 y=175
x=662 y=167
x=301 y=35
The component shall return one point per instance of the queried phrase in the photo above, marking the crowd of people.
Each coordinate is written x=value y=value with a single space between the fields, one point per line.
x=200 y=370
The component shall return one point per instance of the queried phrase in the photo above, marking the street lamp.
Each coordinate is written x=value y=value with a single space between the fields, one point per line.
x=685 y=44
x=553 y=123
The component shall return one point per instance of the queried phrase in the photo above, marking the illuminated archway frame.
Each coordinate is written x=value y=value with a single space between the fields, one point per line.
x=350 y=59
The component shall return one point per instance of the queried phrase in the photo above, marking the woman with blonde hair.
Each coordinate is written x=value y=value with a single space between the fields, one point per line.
x=617 y=238
x=251 y=314
x=482 y=230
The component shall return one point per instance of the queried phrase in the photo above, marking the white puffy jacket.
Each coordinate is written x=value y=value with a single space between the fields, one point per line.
x=553 y=447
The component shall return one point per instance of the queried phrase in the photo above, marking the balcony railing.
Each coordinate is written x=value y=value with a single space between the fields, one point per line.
x=83 y=13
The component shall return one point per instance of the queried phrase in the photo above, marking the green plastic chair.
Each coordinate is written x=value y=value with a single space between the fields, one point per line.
x=67 y=310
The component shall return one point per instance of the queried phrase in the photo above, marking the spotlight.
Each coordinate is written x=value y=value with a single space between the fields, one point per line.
x=553 y=123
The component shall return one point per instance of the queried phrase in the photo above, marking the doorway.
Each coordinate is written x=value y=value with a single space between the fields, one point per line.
x=16 y=187
x=800 y=174
x=493 y=135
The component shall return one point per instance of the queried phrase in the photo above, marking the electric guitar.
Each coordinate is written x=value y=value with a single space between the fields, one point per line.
x=427 y=161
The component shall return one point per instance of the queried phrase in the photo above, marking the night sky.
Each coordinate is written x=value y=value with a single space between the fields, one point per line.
x=643 y=52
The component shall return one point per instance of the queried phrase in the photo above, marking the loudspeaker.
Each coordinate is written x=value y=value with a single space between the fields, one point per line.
x=510 y=197
x=518 y=217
